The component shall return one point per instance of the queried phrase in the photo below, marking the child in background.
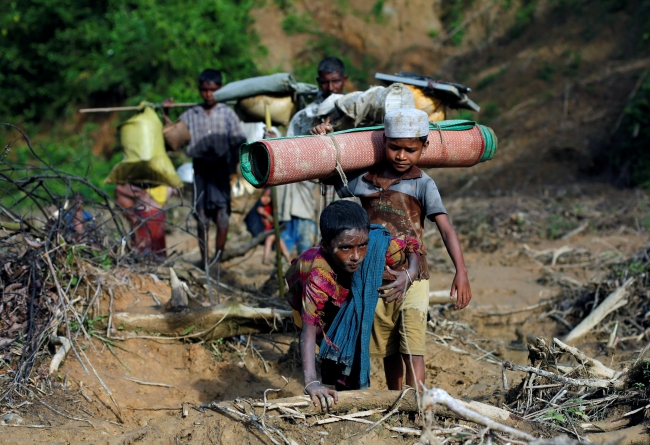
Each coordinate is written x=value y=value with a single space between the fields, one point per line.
x=320 y=279
x=259 y=220
x=398 y=195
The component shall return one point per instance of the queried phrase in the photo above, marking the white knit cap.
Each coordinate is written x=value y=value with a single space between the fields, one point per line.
x=406 y=123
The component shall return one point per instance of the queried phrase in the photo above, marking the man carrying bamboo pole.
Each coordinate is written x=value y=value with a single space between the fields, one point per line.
x=216 y=137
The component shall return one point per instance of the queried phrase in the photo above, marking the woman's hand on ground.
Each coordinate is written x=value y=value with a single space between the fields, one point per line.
x=323 y=396
x=395 y=290
x=460 y=286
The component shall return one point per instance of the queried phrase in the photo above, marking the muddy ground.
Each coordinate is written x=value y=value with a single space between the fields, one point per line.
x=501 y=237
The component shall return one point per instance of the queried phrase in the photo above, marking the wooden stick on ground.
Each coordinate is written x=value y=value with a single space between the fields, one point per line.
x=592 y=383
x=61 y=353
x=437 y=396
x=440 y=297
x=142 y=382
x=594 y=366
x=615 y=300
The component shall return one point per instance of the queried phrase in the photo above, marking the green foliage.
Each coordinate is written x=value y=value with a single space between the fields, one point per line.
x=572 y=63
x=452 y=17
x=377 y=9
x=523 y=18
x=556 y=225
x=89 y=324
x=489 y=79
x=71 y=153
x=433 y=33
x=546 y=71
x=56 y=54
x=631 y=159
x=555 y=416
x=490 y=111
x=297 y=23
x=323 y=45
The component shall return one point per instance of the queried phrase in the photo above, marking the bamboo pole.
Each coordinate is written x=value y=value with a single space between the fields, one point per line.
x=276 y=222
x=132 y=108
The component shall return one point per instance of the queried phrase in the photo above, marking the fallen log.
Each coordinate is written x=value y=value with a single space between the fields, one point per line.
x=364 y=400
x=221 y=321
x=244 y=248
x=636 y=435
x=615 y=300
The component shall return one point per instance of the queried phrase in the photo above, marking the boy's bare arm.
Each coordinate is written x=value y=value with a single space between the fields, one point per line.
x=320 y=395
x=460 y=285
x=397 y=289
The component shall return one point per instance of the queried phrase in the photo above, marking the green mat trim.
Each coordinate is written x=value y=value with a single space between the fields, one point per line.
x=246 y=160
x=491 y=143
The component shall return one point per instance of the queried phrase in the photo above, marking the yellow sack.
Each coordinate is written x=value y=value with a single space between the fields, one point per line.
x=145 y=159
x=429 y=104
x=159 y=194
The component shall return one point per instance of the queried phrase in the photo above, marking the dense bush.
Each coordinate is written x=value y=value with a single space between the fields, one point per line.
x=630 y=161
x=56 y=53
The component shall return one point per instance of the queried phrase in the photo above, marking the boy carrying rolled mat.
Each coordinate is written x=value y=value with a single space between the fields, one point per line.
x=398 y=195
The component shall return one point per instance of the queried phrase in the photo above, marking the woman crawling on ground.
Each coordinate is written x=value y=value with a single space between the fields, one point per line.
x=320 y=282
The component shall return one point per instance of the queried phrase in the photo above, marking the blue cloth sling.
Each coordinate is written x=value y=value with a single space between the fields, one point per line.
x=350 y=331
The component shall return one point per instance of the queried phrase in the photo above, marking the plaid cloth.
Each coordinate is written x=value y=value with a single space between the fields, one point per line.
x=214 y=135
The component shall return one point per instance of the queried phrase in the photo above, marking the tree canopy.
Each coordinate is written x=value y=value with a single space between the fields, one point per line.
x=57 y=53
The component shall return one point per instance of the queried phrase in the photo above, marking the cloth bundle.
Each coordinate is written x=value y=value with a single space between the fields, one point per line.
x=270 y=162
x=276 y=84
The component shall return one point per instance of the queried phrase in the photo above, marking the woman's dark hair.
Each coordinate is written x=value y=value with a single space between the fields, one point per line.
x=340 y=216
x=210 y=75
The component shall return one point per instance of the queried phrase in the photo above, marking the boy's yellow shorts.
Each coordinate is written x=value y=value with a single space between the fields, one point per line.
x=401 y=327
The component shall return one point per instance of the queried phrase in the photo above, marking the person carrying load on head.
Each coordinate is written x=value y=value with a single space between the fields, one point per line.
x=398 y=195
x=328 y=287
x=216 y=137
x=296 y=202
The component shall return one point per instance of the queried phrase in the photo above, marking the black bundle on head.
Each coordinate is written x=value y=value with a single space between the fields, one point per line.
x=211 y=75
x=331 y=65
x=340 y=216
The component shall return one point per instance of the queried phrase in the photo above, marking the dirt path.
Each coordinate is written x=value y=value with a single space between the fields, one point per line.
x=459 y=355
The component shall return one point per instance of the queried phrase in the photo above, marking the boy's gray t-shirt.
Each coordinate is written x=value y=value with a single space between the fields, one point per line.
x=401 y=208
x=421 y=186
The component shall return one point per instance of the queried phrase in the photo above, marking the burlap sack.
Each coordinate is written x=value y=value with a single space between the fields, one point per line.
x=252 y=108
x=176 y=135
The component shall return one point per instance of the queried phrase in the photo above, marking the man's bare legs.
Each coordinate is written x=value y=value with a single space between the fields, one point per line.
x=394 y=370
x=268 y=244
x=221 y=219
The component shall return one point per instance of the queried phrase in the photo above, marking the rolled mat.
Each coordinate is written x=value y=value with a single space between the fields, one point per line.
x=269 y=162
